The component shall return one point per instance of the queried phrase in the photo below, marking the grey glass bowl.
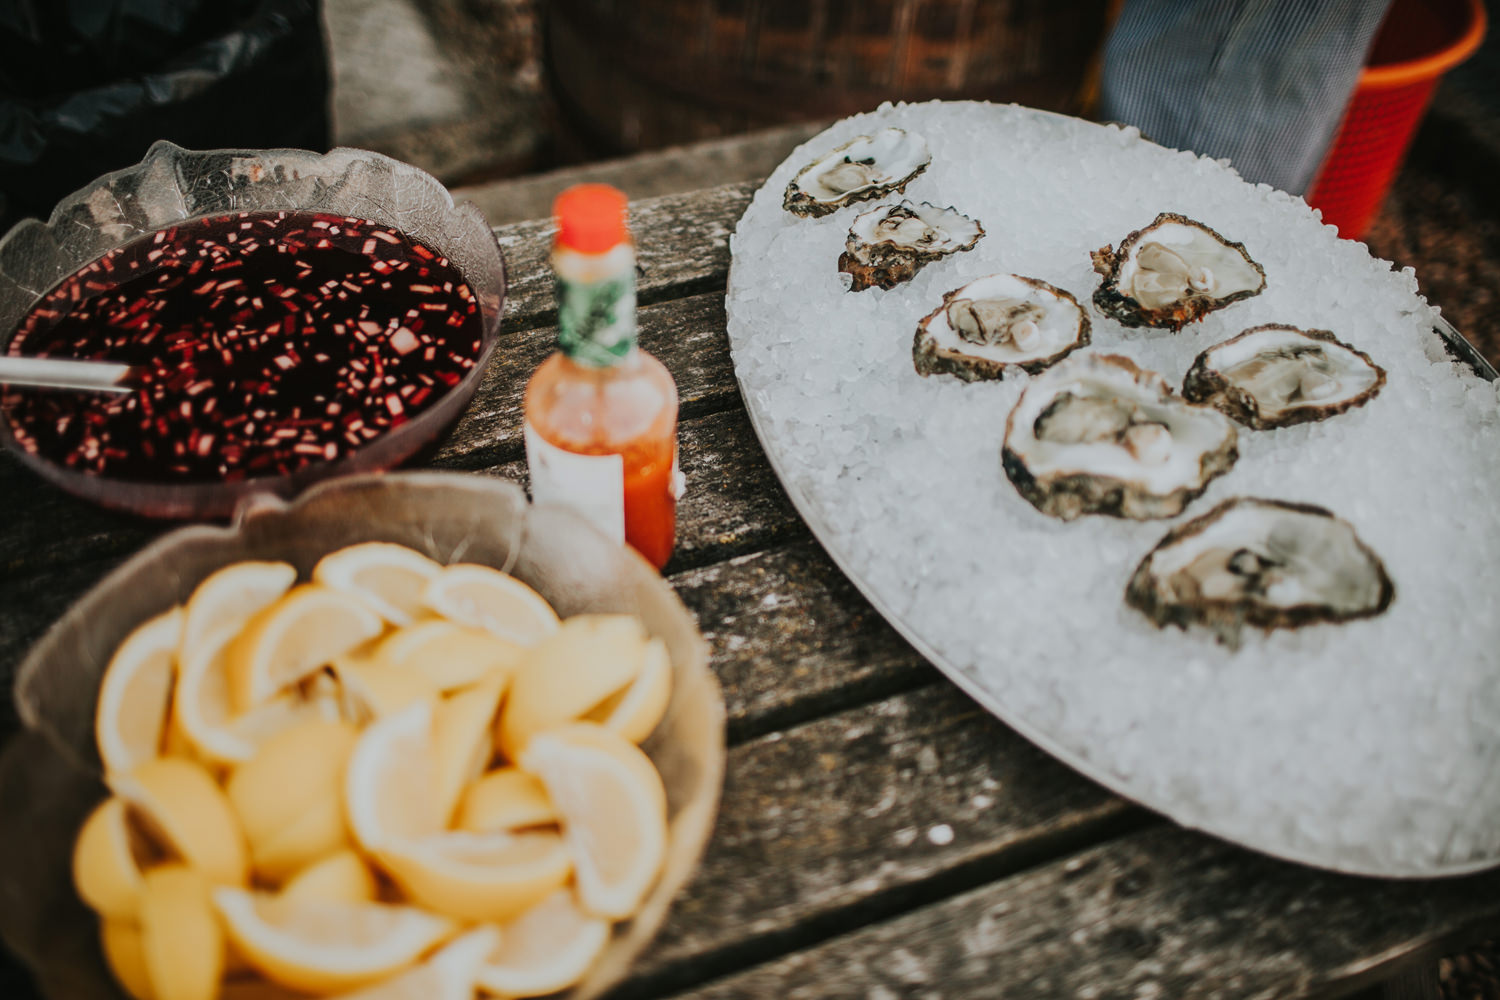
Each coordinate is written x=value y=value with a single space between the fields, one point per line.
x=173 y=184
x=49 y=773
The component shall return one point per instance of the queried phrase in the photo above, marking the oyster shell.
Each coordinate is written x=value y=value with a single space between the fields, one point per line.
x=889 y=244
x=1173 y=272
x=1099 y=435
x=1265 y=563
x=1277 y=376
x=996 y=322
x=865 y=167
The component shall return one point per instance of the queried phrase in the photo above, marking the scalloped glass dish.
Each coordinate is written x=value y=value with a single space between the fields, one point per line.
x=172 y=185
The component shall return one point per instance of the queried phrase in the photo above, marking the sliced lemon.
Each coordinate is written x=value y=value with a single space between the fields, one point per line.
x=341 y=877
x=463 y=740
x=228 y=597
x=136 y=694
x=287 y=797
x=480 y=876
x=389 y=788
x=280 y=645
x=450 y=655
x=389 y=578
x=204 y=711
x=105 y=870
x=588 y=659
x=546 y=949
x=489 y=599
x=121 y=941
x=181 y=941
x=507 y=798
x=447 y=975
x=636 y=711
x=613 y=809
x=324 y=947
x=181 y=806
x=373 y=689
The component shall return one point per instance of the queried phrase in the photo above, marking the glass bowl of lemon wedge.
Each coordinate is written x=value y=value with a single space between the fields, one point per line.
x=405 y=736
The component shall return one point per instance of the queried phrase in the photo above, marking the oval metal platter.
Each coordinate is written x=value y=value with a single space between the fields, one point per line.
x=1365 y=747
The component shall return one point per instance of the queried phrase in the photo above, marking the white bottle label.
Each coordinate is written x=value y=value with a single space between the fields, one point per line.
x=593 y=485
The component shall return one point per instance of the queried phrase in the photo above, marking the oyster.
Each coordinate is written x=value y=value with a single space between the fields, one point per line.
x=1098 y=435
x=1173 y=272
x=866 y=167
x=1264 y=563
x=999 y=321
x=890 y=244
x=1276 y=376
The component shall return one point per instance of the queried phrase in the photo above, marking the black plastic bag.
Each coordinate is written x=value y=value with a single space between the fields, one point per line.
x=87 y=85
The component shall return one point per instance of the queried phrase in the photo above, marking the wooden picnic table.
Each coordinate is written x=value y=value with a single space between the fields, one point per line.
x=880 y=835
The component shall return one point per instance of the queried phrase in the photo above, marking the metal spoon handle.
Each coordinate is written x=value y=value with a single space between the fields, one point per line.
x=57 y=373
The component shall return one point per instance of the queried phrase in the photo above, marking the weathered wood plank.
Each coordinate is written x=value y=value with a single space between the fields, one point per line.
x=1162 y=913
x=793 y=639
x=682 y=246
x=687 y=335
x=842 y=819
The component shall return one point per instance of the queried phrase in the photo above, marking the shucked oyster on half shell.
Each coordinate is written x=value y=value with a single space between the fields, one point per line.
x=1277 y=376
x=869 y=166
x=1173 y=272
x=1265 y=563
x=1099 y=435
x=997 y=322
x=891 y=243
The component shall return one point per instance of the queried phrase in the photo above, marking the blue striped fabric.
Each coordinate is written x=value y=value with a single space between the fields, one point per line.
x=1262 y=82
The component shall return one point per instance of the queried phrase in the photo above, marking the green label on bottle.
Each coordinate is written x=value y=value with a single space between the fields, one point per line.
x=596 y=320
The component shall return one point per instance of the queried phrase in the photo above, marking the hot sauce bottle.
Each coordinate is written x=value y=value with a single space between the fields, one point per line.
x=601 y=414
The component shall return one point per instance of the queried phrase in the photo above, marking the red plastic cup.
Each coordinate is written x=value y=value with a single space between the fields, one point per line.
x=1419 y=41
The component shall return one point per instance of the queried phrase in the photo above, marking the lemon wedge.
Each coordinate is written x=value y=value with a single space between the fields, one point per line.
x=448 y=654
x=287 y=797
x=325 y=947
x=588 y=659
x=613 y=809
x=228 y=597
x=507 y=798
x=121 y=943
x=486 y=598
x=181 y=942
x=389 y=578
x=372 y=689
x=389 y=789
x=478 y=876
x=105 y=871
x=280 y=645
x=181 y=806
x=636 y=711
x=203 y=710
x=463 y=740
x=341 y=877
x=546 y=949
x=135 y=696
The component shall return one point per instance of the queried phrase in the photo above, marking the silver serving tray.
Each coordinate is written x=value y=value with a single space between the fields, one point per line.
x=1378 y=852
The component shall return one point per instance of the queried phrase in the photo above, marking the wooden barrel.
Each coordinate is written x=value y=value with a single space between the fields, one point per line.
x=639 y=74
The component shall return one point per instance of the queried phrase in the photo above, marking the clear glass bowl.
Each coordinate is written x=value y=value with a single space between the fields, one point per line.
x=173 y=184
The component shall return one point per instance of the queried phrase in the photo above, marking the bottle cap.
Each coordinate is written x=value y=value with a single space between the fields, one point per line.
x=591 y=218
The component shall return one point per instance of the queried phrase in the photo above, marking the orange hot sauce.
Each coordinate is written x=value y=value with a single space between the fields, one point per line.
x=601 y=414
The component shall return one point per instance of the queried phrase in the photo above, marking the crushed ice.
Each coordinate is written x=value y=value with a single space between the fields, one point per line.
x=1367 y=746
